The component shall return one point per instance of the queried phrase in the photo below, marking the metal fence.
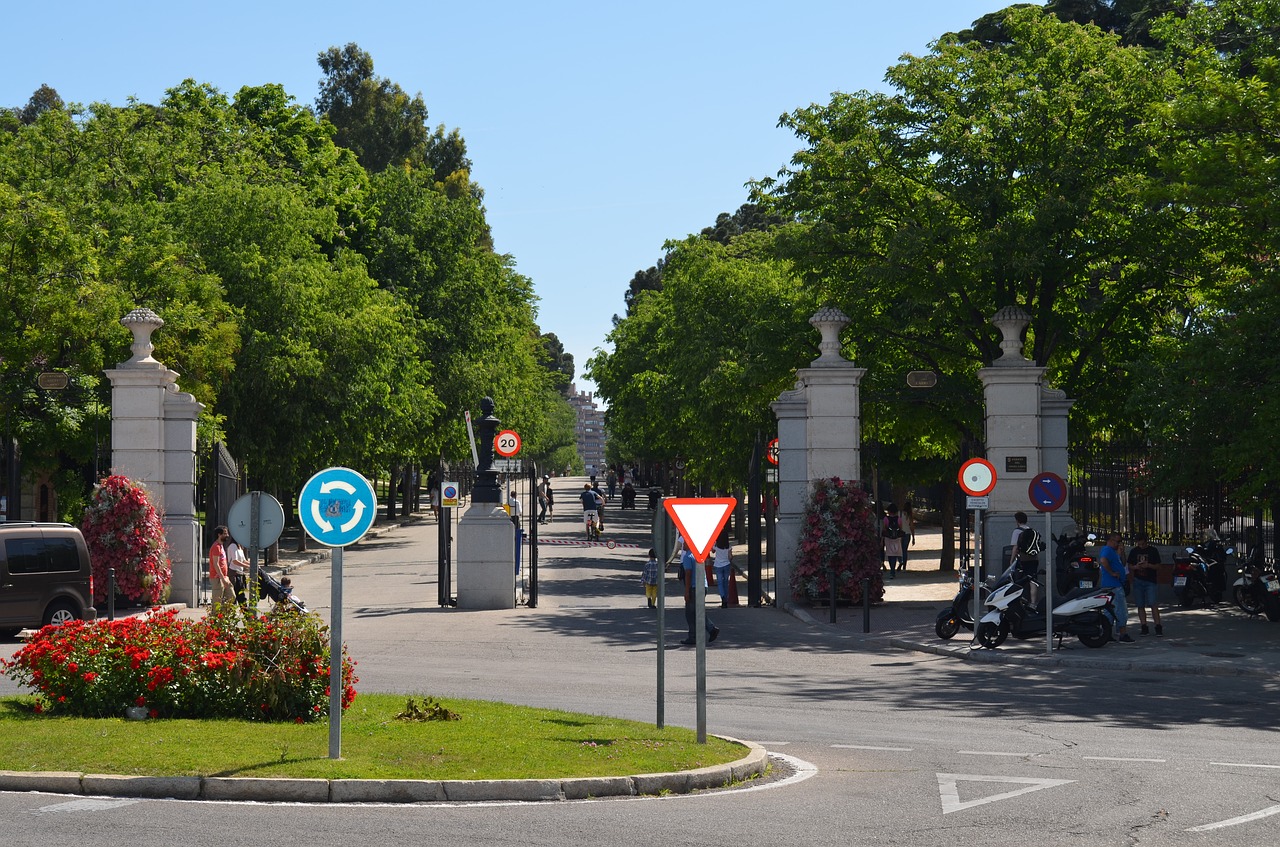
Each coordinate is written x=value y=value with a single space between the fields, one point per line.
x=1111 y=491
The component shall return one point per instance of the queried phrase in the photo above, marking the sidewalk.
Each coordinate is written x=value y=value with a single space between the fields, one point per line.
x=1220 y=641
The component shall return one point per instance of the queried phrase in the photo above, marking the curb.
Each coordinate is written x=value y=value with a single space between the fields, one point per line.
x=261 y=789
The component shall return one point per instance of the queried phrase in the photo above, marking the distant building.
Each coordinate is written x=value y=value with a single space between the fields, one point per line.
x=590 y=430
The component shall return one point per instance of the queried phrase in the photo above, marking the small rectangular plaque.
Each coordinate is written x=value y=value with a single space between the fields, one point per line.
x=1015 y=464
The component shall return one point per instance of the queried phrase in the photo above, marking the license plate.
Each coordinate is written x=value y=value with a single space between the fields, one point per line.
x=1179 y=581
x=1273 y=586
x=1086 y=583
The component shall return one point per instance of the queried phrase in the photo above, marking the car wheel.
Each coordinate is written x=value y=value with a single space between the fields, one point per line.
x=60 y=612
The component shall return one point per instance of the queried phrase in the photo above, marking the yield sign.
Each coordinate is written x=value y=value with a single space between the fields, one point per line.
x=700 y=520
x=951 y=794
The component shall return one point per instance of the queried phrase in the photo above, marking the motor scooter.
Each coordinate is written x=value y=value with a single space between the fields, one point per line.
x=960 y=612
x=1201 y=578
x=1076 y=566
x=1256 y=585
x=1088 y=614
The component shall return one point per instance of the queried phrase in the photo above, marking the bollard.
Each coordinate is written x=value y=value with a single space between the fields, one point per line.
x=111 y=594
x=831 y=579
x=866 y=604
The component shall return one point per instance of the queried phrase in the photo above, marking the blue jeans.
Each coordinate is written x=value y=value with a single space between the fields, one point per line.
x=722 y=582
x=1121 y=605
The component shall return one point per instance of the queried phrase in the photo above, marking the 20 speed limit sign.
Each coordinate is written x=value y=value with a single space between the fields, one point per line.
x=506 y=443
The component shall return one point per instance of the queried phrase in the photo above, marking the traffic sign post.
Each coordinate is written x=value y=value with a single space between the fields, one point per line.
x=1047 y=493
x=256 y=520
x=977 y=479
x=700 y=520
x=337 y=507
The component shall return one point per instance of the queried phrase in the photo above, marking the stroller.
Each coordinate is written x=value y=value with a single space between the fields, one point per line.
x=270 y=587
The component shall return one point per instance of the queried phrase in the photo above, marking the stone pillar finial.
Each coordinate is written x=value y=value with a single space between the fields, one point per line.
x=142 y=322
x=829 y=321
x=1011 y=321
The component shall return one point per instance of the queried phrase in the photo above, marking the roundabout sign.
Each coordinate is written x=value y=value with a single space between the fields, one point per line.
x=337 y=507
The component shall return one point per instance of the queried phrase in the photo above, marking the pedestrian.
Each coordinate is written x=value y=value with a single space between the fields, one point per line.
x=219 y=573
x=513 y=508
x=551 y=498
x=892 y=533
x=544 y=502
x=907 y=516
x=1115 y=575
x=688 y=566
x=1143 y=559
x=1020 y=518
x=611 y=480
x=433 y=492
x=238 y=565
x=649 y=576
x=723 y=562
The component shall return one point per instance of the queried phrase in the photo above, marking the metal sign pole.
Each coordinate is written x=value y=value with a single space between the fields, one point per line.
x=1048 y=587
x=255 y=537
x=976 y=571
x=700 y=622
x=335 y=658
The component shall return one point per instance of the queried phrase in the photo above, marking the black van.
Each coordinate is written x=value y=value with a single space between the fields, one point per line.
x=45 y=575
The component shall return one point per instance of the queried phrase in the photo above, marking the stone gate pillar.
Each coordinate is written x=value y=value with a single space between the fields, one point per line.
x=819 y=435
x=153 y=441
x=1026 y=434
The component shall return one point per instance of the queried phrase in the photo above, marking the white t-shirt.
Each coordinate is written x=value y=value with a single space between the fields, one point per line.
x=722 y=557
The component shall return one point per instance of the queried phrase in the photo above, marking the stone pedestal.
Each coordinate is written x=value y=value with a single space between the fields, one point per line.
x=153 y=441
x=1026 y=434
x=819 y=435
x=486 y=558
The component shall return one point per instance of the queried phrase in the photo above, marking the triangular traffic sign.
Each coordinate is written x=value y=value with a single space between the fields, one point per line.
x=700 y=520
x=951 y=793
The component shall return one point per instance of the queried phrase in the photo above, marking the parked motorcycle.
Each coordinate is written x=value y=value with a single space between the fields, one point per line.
x=960 y=612
x=1256 y=585
x=1201 y=578
x=1075 y=566
x=1086 y=614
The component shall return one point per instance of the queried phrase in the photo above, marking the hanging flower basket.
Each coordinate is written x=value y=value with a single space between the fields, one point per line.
x=837 y=537
x=124 y=530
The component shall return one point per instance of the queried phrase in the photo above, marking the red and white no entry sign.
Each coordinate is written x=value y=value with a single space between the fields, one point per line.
x=506 y=443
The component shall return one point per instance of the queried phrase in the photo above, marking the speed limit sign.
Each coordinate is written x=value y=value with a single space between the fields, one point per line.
x=772 y=451
x=506 y=443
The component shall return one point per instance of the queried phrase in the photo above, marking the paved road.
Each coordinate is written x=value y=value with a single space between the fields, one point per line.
x=888 y=746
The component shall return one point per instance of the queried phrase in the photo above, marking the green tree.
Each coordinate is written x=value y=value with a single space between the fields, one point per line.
x=993 y=176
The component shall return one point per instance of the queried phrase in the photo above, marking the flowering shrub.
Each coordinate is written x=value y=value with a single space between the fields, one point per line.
x=124 y=531
x=838 y=532
x=231 y=664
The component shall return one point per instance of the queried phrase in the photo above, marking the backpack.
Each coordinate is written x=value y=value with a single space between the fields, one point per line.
x=893 y=527
x=1030 y=544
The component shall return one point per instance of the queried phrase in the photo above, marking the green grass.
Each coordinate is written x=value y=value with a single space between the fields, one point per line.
x=491 y=741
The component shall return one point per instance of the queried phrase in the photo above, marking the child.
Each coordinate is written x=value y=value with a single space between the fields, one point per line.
x=650 y=576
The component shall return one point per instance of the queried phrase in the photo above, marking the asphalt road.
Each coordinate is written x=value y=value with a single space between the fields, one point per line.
x=882 y=746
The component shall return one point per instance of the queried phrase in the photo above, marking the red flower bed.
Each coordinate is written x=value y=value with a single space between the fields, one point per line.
x=231 y=664
x=838 y=536
x=125 y=531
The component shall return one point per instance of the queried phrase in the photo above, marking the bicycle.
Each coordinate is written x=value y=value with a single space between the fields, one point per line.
x=593 y=528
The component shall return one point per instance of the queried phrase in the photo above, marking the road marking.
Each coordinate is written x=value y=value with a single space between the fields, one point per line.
x=869 y=747
x=1118 y=759
x=94 y=804
x=988 y=753
x=1265 y=813
x=1241 y=765
x=950 y=792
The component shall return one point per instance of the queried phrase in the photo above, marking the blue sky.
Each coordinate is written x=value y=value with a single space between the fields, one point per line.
x=598 y=131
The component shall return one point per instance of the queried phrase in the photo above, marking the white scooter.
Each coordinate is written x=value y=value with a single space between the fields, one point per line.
x=1087 y=614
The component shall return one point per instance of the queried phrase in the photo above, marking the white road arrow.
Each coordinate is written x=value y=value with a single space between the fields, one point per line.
x=355 y=519
x=1255 y=816
x=951 y=793
x=318 y=518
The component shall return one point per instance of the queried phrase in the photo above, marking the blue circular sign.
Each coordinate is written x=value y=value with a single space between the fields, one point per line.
x=1047 y=492
x=337 y=506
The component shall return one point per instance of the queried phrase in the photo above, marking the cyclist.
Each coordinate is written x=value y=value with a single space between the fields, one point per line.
x=591 y=503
